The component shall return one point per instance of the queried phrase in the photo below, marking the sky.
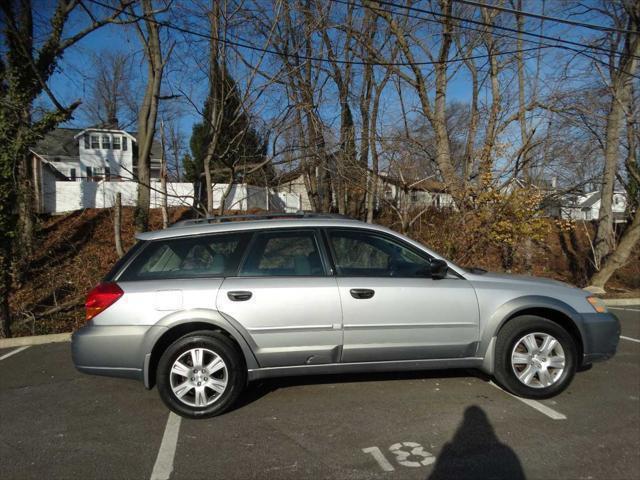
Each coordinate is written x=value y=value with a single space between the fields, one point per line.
x=186 y=78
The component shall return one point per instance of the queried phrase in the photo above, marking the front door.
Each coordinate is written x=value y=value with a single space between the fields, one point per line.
x=285 y=299
x=392 y=308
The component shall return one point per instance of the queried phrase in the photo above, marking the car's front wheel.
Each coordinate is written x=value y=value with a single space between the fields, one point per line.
x=201 y=375
x=535 y=357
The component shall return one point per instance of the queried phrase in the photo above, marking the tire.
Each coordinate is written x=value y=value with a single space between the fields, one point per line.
x=547 y=375
x=201 y=392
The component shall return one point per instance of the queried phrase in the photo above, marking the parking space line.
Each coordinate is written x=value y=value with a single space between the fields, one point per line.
x=630 y=339
x=164 y=462
x=549 y=412
x=13 y=352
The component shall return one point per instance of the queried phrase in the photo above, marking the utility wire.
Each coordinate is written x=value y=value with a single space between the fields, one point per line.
x=245 y=44
x=592 y=26
x=464 y=27
x=499 y=35
x=498 y=27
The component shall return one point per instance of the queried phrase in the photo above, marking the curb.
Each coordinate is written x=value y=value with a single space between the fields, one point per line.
x=621 y=302
x=35 y=340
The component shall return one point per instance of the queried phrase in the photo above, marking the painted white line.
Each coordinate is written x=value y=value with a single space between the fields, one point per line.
x=164 y=462
x=13 y=352
x=549 y=412
x=621 y=336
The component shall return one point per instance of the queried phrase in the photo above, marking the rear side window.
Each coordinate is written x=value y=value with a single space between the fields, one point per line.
x=284 y=254
x=190 y=257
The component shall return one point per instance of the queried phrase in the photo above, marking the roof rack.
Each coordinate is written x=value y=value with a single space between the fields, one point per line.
x=256 y=216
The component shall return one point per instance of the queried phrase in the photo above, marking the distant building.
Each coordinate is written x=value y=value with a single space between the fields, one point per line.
x=413 y=194
x=86 y=155
x=93 y=154
x=586 y=206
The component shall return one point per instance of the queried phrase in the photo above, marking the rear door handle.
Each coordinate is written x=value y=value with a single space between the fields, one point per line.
x=239 y=296
x=361 y=293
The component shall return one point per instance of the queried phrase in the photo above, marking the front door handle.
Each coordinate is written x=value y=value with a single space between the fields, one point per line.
x=239 y=296
x=361 y=293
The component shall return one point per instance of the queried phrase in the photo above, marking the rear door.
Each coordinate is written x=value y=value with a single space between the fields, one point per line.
x=392 y=308
x=177 y=274
x=286 y=300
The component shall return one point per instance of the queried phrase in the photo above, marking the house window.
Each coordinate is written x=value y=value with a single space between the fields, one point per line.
x=72 y=174
x=106 y=142
x=116 y=142
x=89 y=173
x=95 y=141
x=414 y=196
x=107 y=173
x=87 y=144
x=124 y=143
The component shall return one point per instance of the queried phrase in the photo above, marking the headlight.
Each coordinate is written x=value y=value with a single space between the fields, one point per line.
x=597 y=304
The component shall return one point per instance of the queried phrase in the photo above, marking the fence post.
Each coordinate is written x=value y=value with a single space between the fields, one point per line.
x=117 y=221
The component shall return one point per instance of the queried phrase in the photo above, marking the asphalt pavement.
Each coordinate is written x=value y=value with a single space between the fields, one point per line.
x=58 y=423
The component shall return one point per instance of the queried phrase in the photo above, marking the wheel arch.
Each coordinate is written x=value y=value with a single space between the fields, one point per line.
x=175 y=326
x=545 y=307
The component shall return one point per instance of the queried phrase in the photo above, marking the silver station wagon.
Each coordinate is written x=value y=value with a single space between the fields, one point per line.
x=206 y=306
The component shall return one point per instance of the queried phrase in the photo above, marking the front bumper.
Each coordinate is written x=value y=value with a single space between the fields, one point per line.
x=111 y=350
x=601 y=334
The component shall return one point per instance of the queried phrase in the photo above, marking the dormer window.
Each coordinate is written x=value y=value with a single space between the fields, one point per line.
x=87 y=144
x=116 y=142
x=95 y=141
x=124 y=143
x=106 y=142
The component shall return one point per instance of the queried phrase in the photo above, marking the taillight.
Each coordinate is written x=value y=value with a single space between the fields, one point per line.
x=101 y=297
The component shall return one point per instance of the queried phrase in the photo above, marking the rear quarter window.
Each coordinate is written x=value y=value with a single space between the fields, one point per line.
x=188 y=257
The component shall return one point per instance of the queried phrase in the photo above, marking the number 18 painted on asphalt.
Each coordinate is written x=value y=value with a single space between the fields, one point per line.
x=402 y=455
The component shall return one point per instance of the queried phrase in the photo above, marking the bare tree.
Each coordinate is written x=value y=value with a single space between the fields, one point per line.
x=112 y=97
x=26 y=67
x=622 y=69
x=149 y=32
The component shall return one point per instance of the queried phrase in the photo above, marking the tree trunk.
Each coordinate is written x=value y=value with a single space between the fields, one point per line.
x=225 y=193
x=117 y=224
x=148 y=115
x=619 y=257
x=163 y=180
x=5 y=287
x=620 y=87
x=605 y=237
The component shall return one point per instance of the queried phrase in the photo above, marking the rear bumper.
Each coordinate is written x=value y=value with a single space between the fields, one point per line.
x=111 y=350
x=601 y=333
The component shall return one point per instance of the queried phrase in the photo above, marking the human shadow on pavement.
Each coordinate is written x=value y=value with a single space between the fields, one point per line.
x=476 y=453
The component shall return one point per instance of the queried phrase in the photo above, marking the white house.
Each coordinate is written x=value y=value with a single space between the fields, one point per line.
x=93 y=154
x=415 y=194
x=587 y=206
x=85 y=155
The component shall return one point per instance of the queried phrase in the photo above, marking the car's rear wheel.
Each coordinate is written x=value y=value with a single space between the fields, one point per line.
x=535 y=357
x=201 y=375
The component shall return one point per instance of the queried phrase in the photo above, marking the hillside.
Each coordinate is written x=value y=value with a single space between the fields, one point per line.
x=76 y=250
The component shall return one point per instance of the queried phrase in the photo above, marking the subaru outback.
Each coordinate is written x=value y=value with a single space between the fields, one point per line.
x=206 y=306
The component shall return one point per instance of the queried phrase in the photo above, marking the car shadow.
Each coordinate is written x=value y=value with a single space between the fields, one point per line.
x=475 y=452
x=261 y=388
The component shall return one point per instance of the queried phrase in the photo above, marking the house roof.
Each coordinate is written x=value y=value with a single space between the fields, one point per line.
x=591 y=200
x=289 y=176
x=62 y=142
x=425 y=184
x=59 y=142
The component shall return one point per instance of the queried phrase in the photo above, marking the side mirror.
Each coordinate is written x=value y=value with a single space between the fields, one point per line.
x=439 y=269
